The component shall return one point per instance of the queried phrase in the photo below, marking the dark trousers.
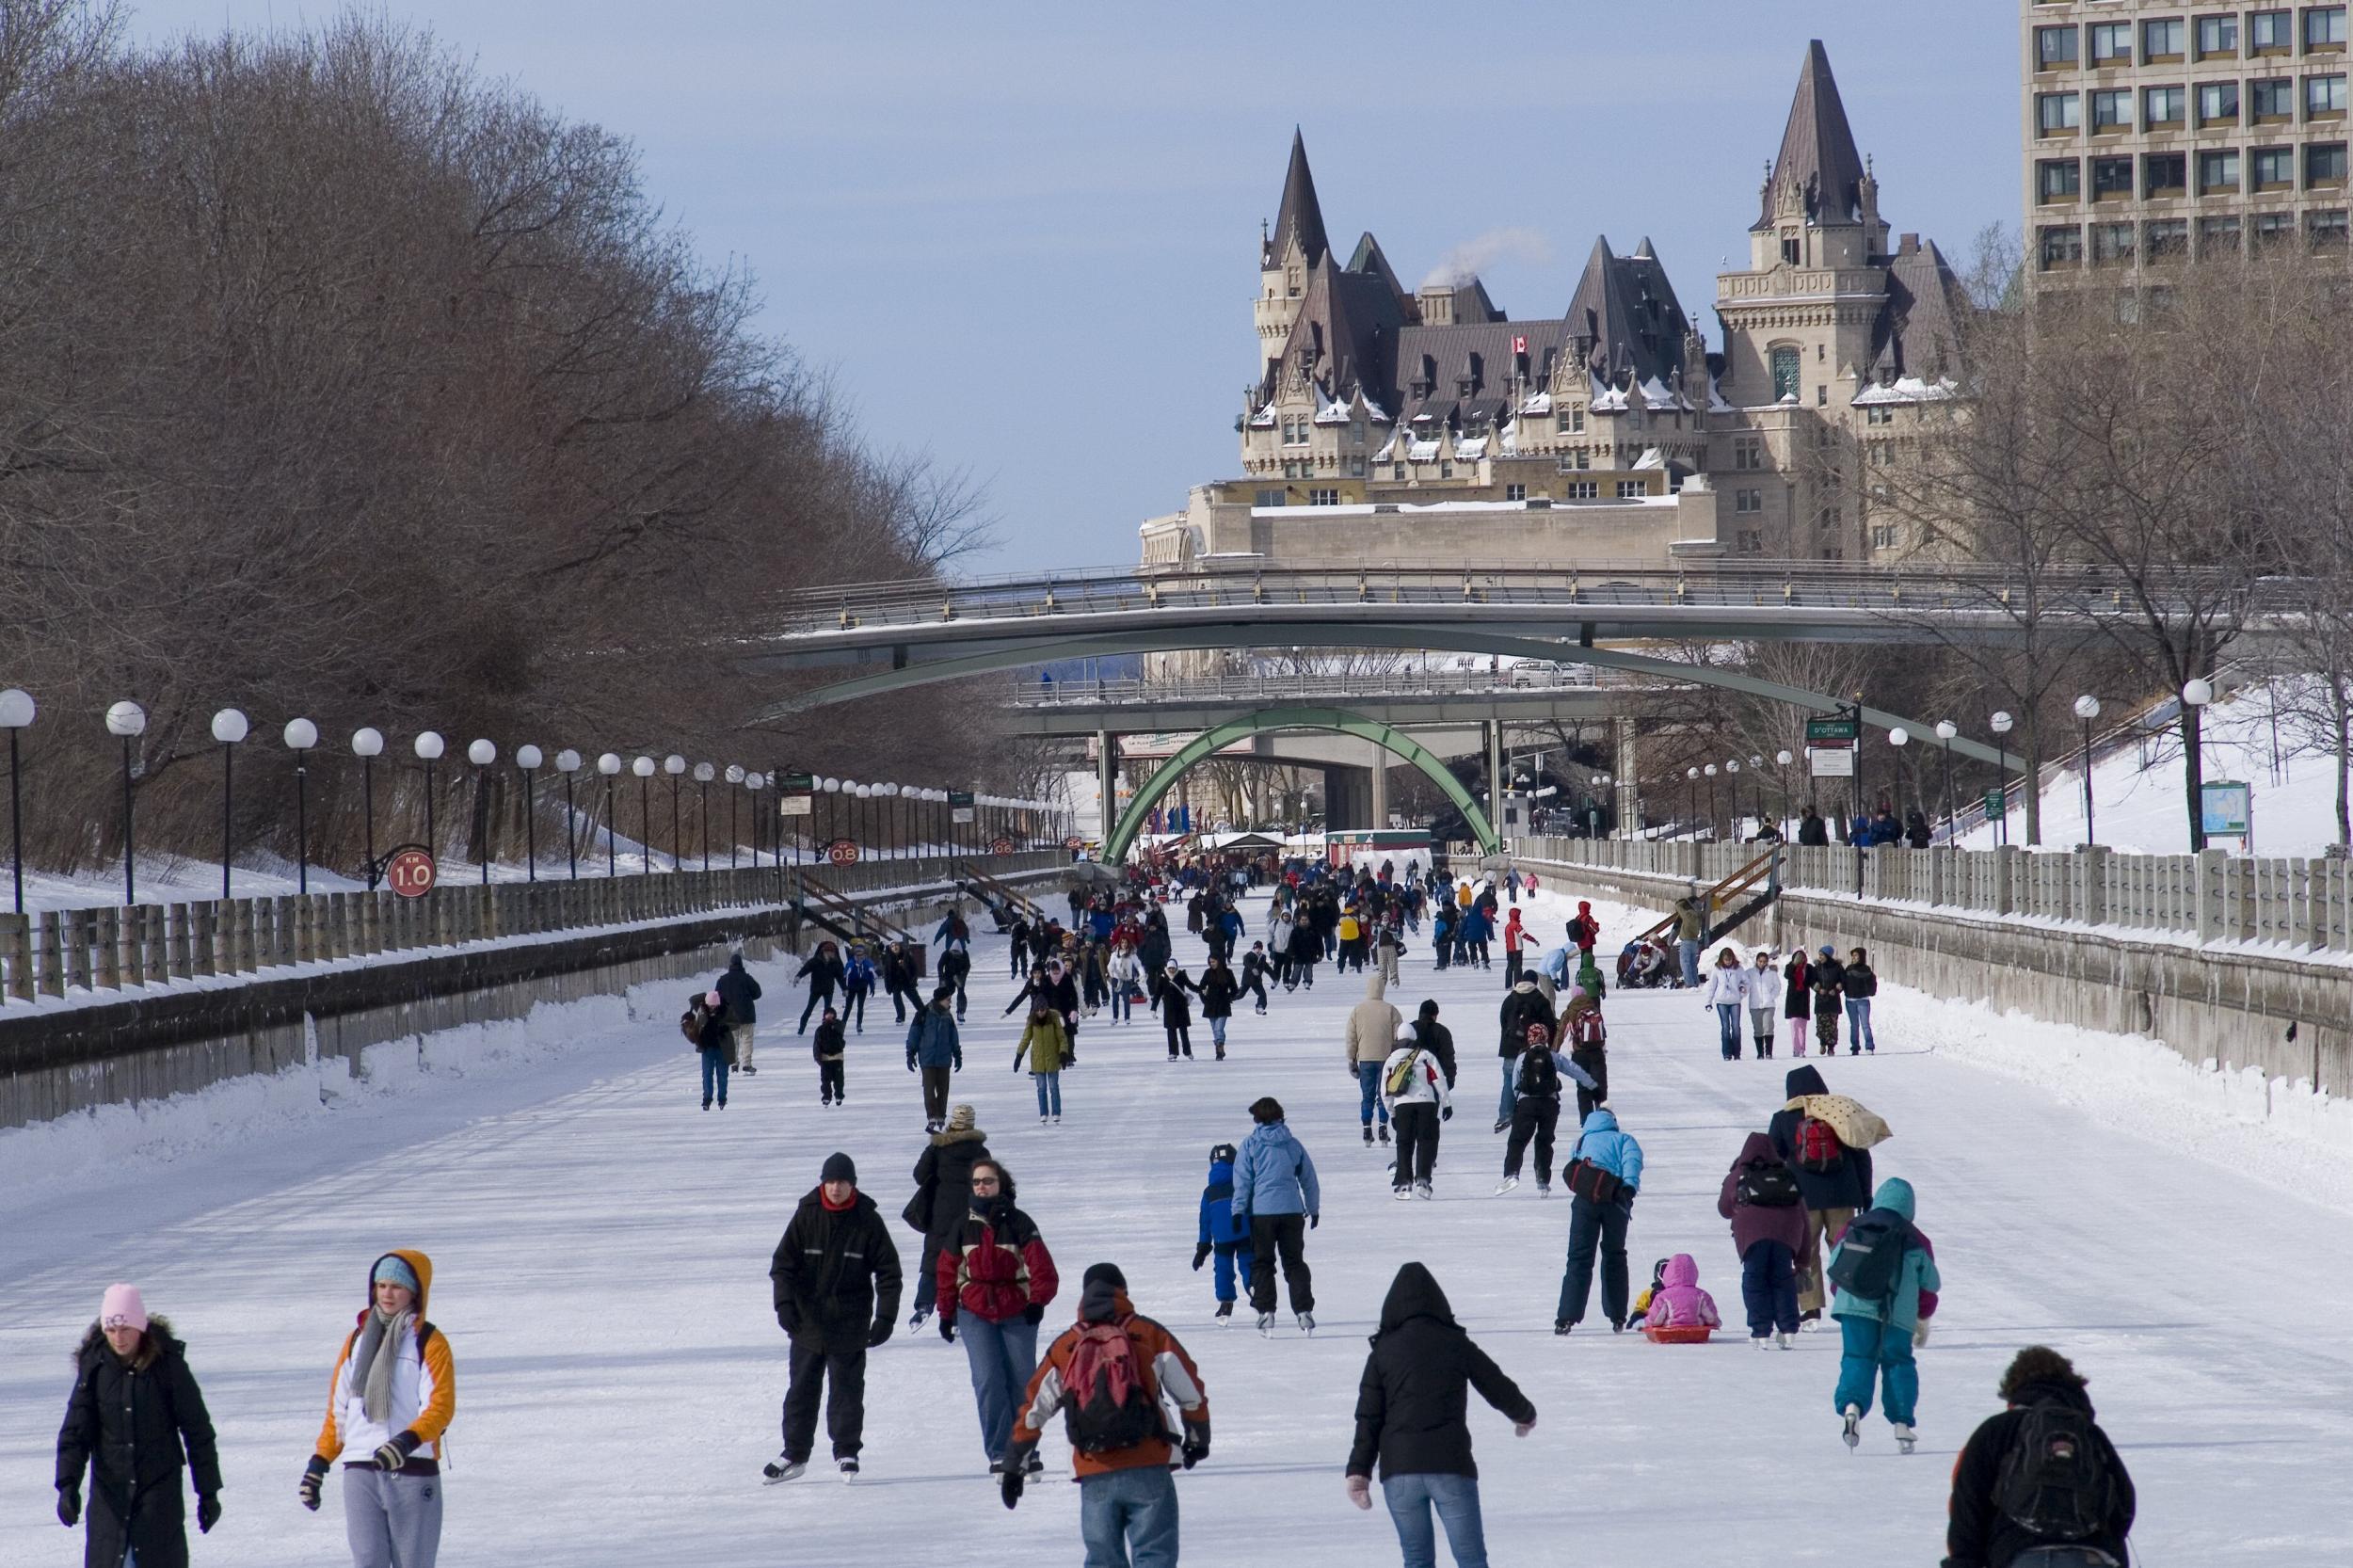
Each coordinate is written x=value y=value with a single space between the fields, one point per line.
x=1533 y=1116
x=1256 y=988
x=954 y=970
x=818 y=1001
x=935 y=1094
x=854 y=1009
x=903 y=997
x=1415 y=1124
x=1283 y=1238
x=846 y=1411
x=1768 y=1288
x=1592 y=1224
x=1511 y=967
x=1596 y=1066
x=829 y=1087
x=1233 y=1263
x=1180 y=1035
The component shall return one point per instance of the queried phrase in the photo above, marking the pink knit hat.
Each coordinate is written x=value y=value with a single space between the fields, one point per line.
x=122 y=1308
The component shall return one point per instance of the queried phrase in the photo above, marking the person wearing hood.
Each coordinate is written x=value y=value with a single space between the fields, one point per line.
x=739 y=993
x=1584 y=931
x=943 y=1193
x=1435 y=1037
x=1832 y=1195
x=993 y=1280
x=1827 y=979
x=1121 y=1453
x=859 y=981
x=1175 y=1011
x=1797 y=1001
x=898 y=975
x=1218 y=991
x=1276 y=1195
x=134 y=1420
x=1373 y=1026
x=1880 y=1329
x=1222 y=1236
x=1524 y=1010
x=2086 y=1518
x=1412 y=1418
x=823 y=971
x=936 y=1049
x=829 y=1050
x=706 y=1023
x=1414 y=1087
x=1514 y=940
x=834 y=1281
x=1677 y=1302
x=1586 y=1033
x=390 y=1399
x=1762 y=1199
x=1616 y=1161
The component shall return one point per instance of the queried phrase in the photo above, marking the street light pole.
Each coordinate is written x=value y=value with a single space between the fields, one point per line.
x=301 y=735
x=643 y=768
x=366 y=744
x=2000 y=723
x=1710 y=771
x=229 y=727
x=702 y=794
x=16 y=712
x=128 y=720
x=735 y=830
x=528 y=758
x=482 y=753
x=2088 y=709
x=2196 y=692
x=567 y=763
x=428 y=749
x=674 y=765
x=608 y=766
x=1781 y=766
x=1946 y=730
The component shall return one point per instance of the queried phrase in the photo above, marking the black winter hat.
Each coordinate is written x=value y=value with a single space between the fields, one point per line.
x=839 y=1167
x=1103 y=1273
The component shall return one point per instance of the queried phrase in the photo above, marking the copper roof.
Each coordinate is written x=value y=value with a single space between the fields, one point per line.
x=1817 y=150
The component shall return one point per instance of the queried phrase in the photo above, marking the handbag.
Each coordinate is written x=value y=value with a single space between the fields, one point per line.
x=1595 y=1183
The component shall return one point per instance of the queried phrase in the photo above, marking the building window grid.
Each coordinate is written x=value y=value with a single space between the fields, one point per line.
x=2058 y=180
x=2324 y=165
x=2055 y=48
x=1629 y=489
x=2111 y=43
x=2324 y=29
x=2111 y=110
x=2324 y=96
x=2164 y=174
x=1515 y=492
x=2111 y=178
x=2271 y=32
x=2217 y=36
x=2056 y=114
x=2272 y=100
x=1323 y=498
x=2274 y=168
x=2328 y=229
x=2162 y=41
x=2217 y=173
x=2218 y=103
x=2165 y=107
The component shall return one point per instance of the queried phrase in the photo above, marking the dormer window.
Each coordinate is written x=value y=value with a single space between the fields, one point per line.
x=1791 y=250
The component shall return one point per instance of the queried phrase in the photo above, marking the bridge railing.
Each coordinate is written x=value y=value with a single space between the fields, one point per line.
x=1399 y=683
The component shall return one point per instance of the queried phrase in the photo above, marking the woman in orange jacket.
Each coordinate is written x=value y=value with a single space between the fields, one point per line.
x=393 y=1392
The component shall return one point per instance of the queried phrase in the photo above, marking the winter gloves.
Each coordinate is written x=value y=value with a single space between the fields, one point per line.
x=1920 y=1333
x=1034 y=1314
x=313 y=1475
x=1447 y=1113
x=1200 y=1256
x=395 y=1455
x=68 y=1506
x=948 y=1328
x=207 y=1512
x=1314 y=1219
x=785 y=1319
x=880 y=1331
x=1196 y=1443
x=1360 y=1491
x=1521 y=1429
x=1010 y=1487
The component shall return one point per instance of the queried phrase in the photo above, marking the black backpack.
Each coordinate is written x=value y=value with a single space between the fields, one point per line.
x=1766 y=1184
x=1871 y=1258
x=1540 y=1076
x=2056 y=1482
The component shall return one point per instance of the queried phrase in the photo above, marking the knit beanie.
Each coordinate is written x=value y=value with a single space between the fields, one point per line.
x=1103 y=1273
x=394 y=1271
x=839 y=1167
x=960 y=1118
x=122 y=1308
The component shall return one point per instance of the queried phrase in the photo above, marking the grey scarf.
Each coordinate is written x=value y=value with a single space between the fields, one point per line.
x=372 y=1372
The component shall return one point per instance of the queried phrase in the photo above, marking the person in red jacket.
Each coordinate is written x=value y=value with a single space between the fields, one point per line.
x=1514 y=938
x=993 y=1284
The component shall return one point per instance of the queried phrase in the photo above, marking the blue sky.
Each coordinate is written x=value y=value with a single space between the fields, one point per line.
x=1024 y=237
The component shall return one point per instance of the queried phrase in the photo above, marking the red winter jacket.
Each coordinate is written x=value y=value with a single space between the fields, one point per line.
x=995 y=1270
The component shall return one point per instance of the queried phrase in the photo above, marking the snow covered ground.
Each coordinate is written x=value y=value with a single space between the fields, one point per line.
x=601 y=1248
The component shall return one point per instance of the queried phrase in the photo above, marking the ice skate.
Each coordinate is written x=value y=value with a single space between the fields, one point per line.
x=1543 y=1189
x=782 y=1468
x=1266 y=1324
x=1226 y=1314
x=1421 y=1189
x=915 y=1318
x=1785 y=1340
x=1402 y=1194
x=1046 y=1121
x=1506 y=1185
x=1560 y=1327
x=1763 y=1341
x=1384 y=1132
x=1852 y=1434
x=1057 y=1118
x=1307 y=1324
x=1368 y=1135
x=1905 y=1438
x=848 y=1468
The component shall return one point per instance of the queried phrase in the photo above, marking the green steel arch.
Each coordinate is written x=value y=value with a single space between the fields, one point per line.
x=1211 y=742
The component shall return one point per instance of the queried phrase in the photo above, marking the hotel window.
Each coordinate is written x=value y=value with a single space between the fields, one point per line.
x=2163 y=106
x=2217 y=236
x=2163 y=39
x=2324 y=27
x=1515 y=492
x=2059 y=181
x=2324 y=96
x=2055 y=48
x=2217 y=35
x=2216 y=171
x=2062 y=246
x=2272 y=230
x=2274 y=100
x=2112 y=243
x=1269 y=498
x=2326 y=230
x=2274 y=168
x=1883 y=536
x=1785 y=374
x=2218 y=103
x=2270 y=32
x=1748 y=500
x=2166 y=239
x=2111 y=43
x=1584 y=489
x=1630 y=488
x=2324 y=164
x=2055 y=113
x=2112 y=110
x=1323 y=498
x=2111 y=177
x=2164 y=174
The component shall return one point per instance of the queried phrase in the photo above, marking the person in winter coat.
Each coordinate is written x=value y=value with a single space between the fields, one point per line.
x=134 y=1420
x=1797 y=999
x=393 y=1394
x=823 y=970
x=834 y=1281
x=1217 y=990
x=1175 y=1011
x=1221 y=1236
x=1373 y=1026
x=1125 y=975
x=1435 y=1037
x=1279 y=929
x=899 y=979
x=1727 y=992
x=828 y=1049
x=1389 y=947
x=1586 y=1035
x=1536 y=1110
x=1121 y=1454
x=1859 y=984
x=2044 y=1405
x=1154 y=953
x=1917 y=830
x=1414 y=1087
x=954 y=940
x=739 y=993
x=1584 y=931
x=859 y=981
x=1255 y=974
x=1812 y=830
x=1413 y=1419
x=993 y=1283
x=1678 y=1303
x=1600 y=1225
x=1307 y=952
x=1690 y=917
x=714 y=1044
x=1017 y=947
x=935 y=1051
x=1477 y=930
x=1879 y=1333
x=1046 y=1048
x=1275 y=1194
x=943 y=1193
x=1761 y=1198
x=1832 y=1194
x=1765 y=989
x=1522 y=1012
x=1827 y=978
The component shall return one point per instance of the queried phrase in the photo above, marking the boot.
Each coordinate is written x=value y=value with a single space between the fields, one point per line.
x=1905 y=1437
x=1368 y=1135
x=1225 y=1314
x=1851 y=1434
x=1384 y=1132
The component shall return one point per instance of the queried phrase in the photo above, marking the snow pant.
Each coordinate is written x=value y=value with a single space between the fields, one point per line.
x=1689 y=948
x=926 y=1278
x=1877 y=1352
x=813 y=1369
x=1825 y=1030
x=1256 y=988
x=714 y=1073
x=1822 y=1226
x=1478 y=946
x=1368 y=1080
x=819 y=998
x=853 y=1008
x=935 y=1093
x=1512 y=962
x=1768 y=1288
x=1859 y=1030
x=1127 y=1518
x=1388 y=965
x=1230 y=1260
x=902 y=999
x=1002 y=1357
x=1592 y=1224
x=1761 y=1025
x=1596 y=1065
x=1217 y=1033
x=1797 y=1034
x=1534 y=1116
x=1415 y=1123
x=1728 y=1030
x=1455 y=1500
x=741 y=1034
x=1280 y=1238
x=829 y=1085
x=1049 y=1093
x=392 y=1521
x=1017 y=955
x=955 y=968
x=1179 y=1037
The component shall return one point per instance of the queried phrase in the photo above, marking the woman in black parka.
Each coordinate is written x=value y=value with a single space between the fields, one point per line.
x=134 y=1420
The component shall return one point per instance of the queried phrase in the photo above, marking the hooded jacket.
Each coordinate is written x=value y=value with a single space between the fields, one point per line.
x=1847 y=1187
x=1601 y=1144
x=1980 y=1534
x=932 y=1040
x=833 y=1273
x=1750 y=1223
x=130 y=1426
x=1169 y=1374
x=1679 y=1301
x=424 y=1391
x=1584 y=930
x=1218 y=1226
x=1274 y=1175
x=943 y=1175
x=1916 y=1283
x=1523 y=1006
x=1045 y=1045
x=738 y=992
x=998 y=1265
x=1413 y=1402
x=1796 y=978
x=1724 y=984
x=1765 y=986
x=1425 y=1085
x=1372 y=1024
x=822 y=969
x=1218 y=989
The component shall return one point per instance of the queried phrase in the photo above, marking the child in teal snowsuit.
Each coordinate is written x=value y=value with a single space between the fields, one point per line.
x=1219 y=1235
x=1879 y=1335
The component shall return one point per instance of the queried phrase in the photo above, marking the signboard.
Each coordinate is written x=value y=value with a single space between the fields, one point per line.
x=2223 y=809
x=1819 y=732
x=842 y=851
x=795 y=806
x=411 y=872
x=1996 y=804
x=1831 y=761
x=960 y=806
x=1000 y=846
x=797 y=794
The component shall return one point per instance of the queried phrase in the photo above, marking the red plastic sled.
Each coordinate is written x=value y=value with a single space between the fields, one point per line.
x=1694 y=1336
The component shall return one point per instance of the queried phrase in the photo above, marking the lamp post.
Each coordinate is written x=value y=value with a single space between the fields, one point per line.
x=367 y=744
x=301 y=735
x=229 y=727
x=832 y=786
x=643 y=768
x=2088 y=709
x=675 y=766
x=608 y=767
x=482 y=753
x=735 y=831
x=1781 y=759
x=752 y=782
x=1710 y=772
x=1691 y=797
x=703 y=773
x=16 y=712
x=567 y=763
x=1946 y=730
x=428 y=750
x=863 y=791
x=1899 y=737
x=2196 y=692
x=528 y=758
x=2000 y=723
x=128 y=720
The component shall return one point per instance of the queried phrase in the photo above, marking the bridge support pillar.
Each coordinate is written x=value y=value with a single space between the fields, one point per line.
x=1494 y=729
x=1380 y=788
x=1347 y=798
x=1625 y=802
x=1107 y=779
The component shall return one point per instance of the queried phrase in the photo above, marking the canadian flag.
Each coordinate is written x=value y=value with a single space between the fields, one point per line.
x=1519 y=345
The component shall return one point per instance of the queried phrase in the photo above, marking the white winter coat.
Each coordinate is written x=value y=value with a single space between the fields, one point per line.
x=1426 y=1086
x=1765 y=987
x=1726 y=987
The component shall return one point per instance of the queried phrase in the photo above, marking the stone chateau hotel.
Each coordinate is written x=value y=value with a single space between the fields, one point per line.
x=1414 y=429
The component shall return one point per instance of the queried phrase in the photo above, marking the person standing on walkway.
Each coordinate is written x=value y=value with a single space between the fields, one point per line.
x=1112 y=1375
x=994 y=1281
x=2081 y=1518
x=935 y=1051
x=1833 y=1180
x=739 y=993
x=1604 y=1172
x=393 y=1394
x=1414 y=1087
x=1827 y=978
x=706 y=1023
x=1522 y=1012
x=1760 y=1196
x=1797 y=1001
x=1276 y=1195
x=1690 y=914
x=1727 y=992
x=823 y=970
x=1764 y=986
x=1536 y=1112
x=134 y=1420
x=1413 y=1419
x=1046 y=1045
x=1217 y=991
x=1373 y=1026
x=1885 y=1274
x=834 y=1281
x=1859 y=984
x=828 y=1049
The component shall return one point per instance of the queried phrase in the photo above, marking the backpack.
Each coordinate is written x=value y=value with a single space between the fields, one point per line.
x=1818 y=1149
x=1765 y=1184
x=2055 y=1483
x=1589 y=1028
x=689 y=1023
x=1540 y=1076
x=1110 y=1407
x=1870 y=1260
x=1401 y=1078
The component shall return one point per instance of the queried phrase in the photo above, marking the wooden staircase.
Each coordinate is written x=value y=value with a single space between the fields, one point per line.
x=1758 y=882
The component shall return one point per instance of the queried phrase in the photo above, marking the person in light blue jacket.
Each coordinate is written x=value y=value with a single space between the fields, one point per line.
x=1275 y=1195
x=1599 y=1224
x=1880 y=1330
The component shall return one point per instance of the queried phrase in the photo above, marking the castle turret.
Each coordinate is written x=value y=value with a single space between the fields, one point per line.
x=1288 y=252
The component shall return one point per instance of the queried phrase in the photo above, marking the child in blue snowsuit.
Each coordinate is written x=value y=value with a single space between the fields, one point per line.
x=1221 y=1235
x=1879 y=1336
